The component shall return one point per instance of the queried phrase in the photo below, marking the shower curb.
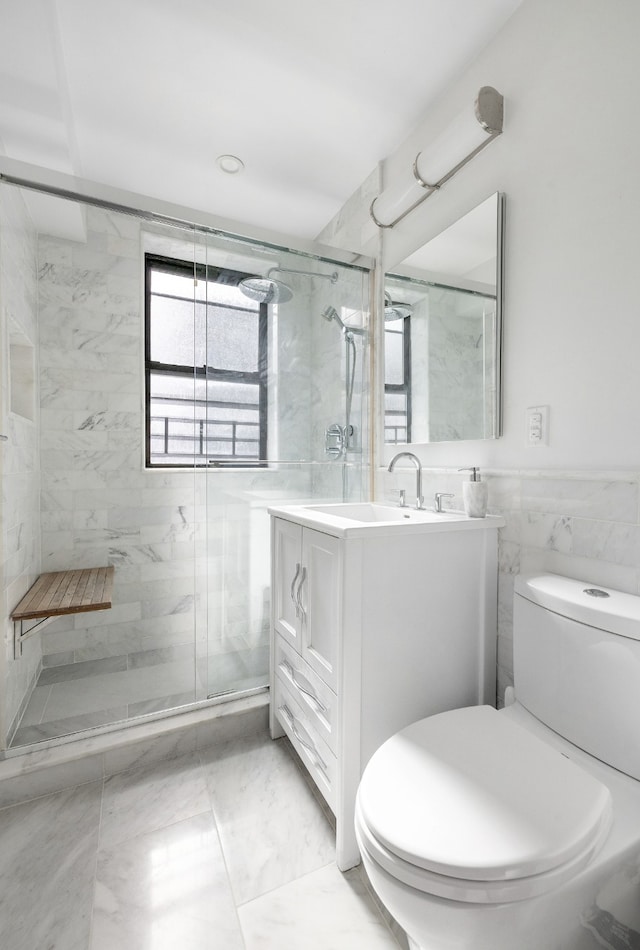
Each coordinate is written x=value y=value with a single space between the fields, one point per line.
x=32 y=774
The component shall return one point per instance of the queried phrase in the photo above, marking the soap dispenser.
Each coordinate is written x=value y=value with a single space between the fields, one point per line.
x=474 y=494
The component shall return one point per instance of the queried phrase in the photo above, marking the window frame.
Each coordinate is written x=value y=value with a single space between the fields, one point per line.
x=211 y=274
x=403 y=388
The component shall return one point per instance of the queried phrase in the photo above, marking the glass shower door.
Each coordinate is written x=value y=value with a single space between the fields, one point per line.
x=279 y=373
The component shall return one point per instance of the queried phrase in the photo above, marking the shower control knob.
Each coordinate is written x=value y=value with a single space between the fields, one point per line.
x=335 y=441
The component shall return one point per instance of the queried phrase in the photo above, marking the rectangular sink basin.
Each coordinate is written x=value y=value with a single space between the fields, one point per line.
x=370 y=520
x=370 y=512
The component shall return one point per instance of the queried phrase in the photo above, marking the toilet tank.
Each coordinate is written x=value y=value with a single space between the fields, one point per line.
x=576 y=664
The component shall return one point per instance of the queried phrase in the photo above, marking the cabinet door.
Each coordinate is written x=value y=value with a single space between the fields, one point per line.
x=287 y=577
x=321 y=597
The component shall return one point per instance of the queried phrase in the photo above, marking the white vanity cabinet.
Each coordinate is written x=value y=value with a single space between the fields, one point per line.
x=306 y=591
x=374 y=626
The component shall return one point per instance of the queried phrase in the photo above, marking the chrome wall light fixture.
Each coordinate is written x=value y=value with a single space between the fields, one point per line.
x=472 y=131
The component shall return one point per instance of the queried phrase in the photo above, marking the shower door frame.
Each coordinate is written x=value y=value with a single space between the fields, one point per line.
x=58 y=184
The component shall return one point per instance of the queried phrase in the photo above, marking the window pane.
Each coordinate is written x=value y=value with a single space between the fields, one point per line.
x=248 y=432
x=203 y=324
x=209 y=291
x=395 y=402
x=177 y=285
x=395 y=417
x=173 y=332
x=247 y=449
x=241 y=395
x=226 y=425
x=393 y=358
x=232 y=339
x=182 y=332
x=172 y=387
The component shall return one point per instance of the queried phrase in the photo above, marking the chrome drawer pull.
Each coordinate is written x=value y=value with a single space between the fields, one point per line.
x=292 y=590
x=286 y=667
x=311 y=749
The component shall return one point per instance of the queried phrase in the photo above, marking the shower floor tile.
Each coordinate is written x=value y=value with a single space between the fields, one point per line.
x=74 y=671
x=193 y=853
x=67 y=699
x=26 y=734
x=84 y=695
x=87 y=695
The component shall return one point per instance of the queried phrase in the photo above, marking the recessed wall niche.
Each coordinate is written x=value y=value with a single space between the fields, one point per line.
x=22 y=376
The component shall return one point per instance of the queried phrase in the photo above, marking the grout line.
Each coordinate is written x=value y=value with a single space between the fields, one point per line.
x=300 y=877
x=223 y=853
x=95 y=863
x=44 y=707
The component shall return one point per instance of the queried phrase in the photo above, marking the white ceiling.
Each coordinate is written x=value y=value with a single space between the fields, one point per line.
x=145 y=94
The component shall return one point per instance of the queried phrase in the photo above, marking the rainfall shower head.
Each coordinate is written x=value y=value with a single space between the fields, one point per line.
x=265 y=290
x=395 y=310
x=268 y=290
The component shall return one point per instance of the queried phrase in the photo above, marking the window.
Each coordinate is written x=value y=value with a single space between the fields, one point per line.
x=397 y=381
x=205 y=367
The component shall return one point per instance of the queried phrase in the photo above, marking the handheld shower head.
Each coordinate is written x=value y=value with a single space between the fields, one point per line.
x=330 y=314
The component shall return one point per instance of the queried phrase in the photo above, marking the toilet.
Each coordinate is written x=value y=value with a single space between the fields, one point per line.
x=519 y=829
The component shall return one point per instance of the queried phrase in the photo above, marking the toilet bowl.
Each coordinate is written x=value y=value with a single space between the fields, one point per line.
x=488 y=829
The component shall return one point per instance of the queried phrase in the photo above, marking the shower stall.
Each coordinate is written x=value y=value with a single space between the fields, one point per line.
x=162 y=384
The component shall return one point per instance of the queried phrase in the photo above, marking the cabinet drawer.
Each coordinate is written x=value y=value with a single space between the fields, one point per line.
x=315 y=697
x=320 y=761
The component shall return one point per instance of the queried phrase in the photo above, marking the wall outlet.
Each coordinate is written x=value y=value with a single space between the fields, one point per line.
x=537 y=425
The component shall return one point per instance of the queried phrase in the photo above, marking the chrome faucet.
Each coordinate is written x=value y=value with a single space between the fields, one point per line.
x=416 y=462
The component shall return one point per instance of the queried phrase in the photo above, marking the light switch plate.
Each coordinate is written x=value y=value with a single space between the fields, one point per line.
x=537 y=425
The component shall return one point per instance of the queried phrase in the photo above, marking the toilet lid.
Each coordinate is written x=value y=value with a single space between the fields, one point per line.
x=471 y=795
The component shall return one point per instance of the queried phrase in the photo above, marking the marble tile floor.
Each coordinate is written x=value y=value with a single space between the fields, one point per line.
x=224 y=849
x=77 y=696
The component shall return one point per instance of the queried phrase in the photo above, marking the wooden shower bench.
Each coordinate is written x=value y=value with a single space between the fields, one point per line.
x=59 y=593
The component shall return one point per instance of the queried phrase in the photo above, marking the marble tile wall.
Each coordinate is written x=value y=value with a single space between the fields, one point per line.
x=347 y=230
x=455 y=369
x=233 y=630
x=98 y=505
x=333 y=370
x=191 y=550
x=19 y=455
x=580 y=524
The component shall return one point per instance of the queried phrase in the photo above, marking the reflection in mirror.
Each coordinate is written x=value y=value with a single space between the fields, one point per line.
x=442 y=334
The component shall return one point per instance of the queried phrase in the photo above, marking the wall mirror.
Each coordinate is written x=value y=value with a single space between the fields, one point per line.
x=442 y=334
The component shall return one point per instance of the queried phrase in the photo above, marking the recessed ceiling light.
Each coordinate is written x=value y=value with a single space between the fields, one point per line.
x=230 y=164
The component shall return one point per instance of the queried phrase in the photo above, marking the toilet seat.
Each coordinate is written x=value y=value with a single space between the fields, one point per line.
x=469 y=806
